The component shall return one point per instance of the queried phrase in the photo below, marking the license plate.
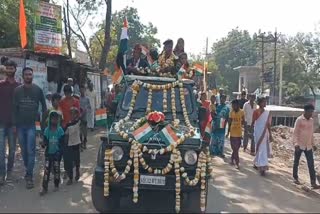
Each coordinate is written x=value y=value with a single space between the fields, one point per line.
x=153 y=180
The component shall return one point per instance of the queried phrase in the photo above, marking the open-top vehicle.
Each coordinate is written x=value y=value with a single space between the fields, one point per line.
x=153 y=145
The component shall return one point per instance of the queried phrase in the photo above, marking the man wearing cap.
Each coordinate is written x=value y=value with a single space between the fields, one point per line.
x=69 y=82
x=167 y=58
x=136 y=61
x=48 y=100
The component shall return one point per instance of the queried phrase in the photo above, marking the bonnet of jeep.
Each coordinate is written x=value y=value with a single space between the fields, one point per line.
x=176 y=103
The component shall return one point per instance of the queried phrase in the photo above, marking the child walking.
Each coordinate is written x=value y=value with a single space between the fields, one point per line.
x=72 y=150
x=53 y=139
x=236 y=120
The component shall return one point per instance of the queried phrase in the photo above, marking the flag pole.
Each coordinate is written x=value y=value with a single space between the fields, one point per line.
x=204 y=67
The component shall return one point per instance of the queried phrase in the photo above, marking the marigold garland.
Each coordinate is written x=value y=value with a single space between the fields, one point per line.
x=137 y=149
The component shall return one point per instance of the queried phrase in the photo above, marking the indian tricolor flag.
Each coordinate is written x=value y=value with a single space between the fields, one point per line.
x=118 y=75
x=168 y=135
x=101 y=117
x=199 y=69
x=182 y=71
x=143 y=133
x=222 y=123
x=38 y=126
x=207 y=132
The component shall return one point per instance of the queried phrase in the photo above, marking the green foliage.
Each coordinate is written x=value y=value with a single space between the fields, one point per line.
x=302 y=64
x=9 y=23
x=238 y=48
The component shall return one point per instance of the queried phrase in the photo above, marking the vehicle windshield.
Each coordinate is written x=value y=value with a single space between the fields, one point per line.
x=157 y=100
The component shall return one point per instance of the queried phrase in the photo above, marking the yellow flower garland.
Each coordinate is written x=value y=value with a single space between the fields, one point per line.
x=175 y=159
x=165 y=63
x=106 y=173
x=165 y=100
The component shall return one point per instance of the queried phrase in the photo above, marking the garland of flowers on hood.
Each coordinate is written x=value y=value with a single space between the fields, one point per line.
x=137 y=150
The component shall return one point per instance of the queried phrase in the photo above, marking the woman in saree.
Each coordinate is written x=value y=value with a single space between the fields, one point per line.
x=219 y=128
x=205 y=116
x=261 y=122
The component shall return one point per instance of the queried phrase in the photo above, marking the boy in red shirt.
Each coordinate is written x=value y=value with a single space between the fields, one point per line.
x=65 y=105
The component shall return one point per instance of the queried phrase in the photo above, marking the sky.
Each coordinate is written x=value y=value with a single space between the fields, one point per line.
x=196 y=20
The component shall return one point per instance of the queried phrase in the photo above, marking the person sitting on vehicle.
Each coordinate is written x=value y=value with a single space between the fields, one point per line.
x=182 y=67
x=155 y=64
x=136 y=61
x=179 y=48
x=167 y=58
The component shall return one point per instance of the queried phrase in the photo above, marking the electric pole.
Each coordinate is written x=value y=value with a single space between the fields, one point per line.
x=269 y=39
x=262 y=60
x=204 y=67
x=275 y=66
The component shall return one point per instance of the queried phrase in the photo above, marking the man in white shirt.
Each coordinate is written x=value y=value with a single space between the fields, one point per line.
x=69 y=82
x=248 y=109
x=221 y=92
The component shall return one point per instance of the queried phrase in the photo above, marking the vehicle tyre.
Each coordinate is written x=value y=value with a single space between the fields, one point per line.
x=101 y=203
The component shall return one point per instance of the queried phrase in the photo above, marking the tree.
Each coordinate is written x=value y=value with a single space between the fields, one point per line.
x=9 y=22
x=238 y=48
x=301 y=64
x=107 y=38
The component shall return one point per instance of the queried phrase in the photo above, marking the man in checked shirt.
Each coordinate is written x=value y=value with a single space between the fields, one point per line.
x=304 y=142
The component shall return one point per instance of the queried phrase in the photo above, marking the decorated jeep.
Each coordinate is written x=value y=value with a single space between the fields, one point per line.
x=153 y=145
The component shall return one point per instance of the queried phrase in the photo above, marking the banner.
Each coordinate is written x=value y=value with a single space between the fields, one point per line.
x=48 y=29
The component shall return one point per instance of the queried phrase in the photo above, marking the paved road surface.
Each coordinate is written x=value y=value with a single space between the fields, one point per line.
x=230 y=191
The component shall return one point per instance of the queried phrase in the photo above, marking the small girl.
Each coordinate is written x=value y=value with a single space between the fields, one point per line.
x=72 y=150
x=53 y=140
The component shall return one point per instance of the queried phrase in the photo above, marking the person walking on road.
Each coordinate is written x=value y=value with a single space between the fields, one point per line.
x=304 y=142
x=248 y=108
x=72 y=148
x=262 y=136
x=236 y=120
x=91 y=94
x=26 y=100
x=219 y=128
x=243 y=99
x=67 y=102
x=53 y=142
x=85 y=108
x=7 y=87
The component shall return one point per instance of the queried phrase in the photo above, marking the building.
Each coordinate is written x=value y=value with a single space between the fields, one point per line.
x=249 y=78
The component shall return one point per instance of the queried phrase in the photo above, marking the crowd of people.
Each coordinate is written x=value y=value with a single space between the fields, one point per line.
x=64 y=121
x=171 y=62
x=248 y=120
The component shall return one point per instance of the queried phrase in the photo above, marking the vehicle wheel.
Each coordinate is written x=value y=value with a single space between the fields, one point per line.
x=191 y=201
x=101 y=203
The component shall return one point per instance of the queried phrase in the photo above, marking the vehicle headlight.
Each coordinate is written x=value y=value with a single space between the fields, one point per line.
x=190 y=157
x=117 y=153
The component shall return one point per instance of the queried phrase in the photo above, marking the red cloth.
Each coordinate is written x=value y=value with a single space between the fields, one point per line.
x=205 y=104
x=65 y=105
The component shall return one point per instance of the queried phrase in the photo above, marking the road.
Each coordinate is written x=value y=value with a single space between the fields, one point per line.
x=230 y=190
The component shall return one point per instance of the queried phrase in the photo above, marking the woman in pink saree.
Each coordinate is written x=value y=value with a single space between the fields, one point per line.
x=262 y=135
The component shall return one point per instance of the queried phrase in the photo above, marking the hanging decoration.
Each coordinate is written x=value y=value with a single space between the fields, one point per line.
x=156 y=122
